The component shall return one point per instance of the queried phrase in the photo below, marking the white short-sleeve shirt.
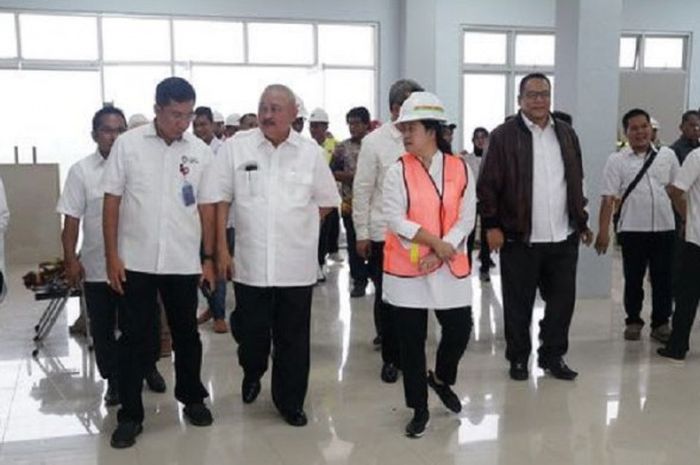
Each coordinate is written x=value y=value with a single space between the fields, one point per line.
x=82 y=199
x=276 y=193
x=159 y=225
x=688 y=180
x=648 y=207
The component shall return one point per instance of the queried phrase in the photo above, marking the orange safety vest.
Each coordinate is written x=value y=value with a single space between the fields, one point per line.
x=434 y=212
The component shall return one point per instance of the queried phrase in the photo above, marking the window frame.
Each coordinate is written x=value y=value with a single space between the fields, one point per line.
x=642 y=36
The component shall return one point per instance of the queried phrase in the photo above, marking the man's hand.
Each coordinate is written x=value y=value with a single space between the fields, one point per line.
x=587 y=237
x=444 y=250
x=74 y=272
x=602 y=242
x=116 y=274
x=429 y=262
x=224 y=265
x=363 y=248
x=208 y=275
x=495 y=238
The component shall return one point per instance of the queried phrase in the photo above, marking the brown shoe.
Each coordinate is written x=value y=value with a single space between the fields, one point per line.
x=205 y=316
x=661 y=333
x=633 y=332
x=220 y=326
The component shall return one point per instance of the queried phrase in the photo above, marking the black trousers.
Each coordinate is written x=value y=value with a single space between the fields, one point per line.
x=275 y=320
x=639 y=251
x=484 y=252
x=102 y=304
x=552 y=268
x=686 y=291
x=383 y=314
x=359 y=271
x=412 y=324
x=328 y=237
x=138 y=315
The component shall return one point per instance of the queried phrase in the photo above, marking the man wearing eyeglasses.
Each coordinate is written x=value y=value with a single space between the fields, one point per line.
x=152 y=236
x=531 y=198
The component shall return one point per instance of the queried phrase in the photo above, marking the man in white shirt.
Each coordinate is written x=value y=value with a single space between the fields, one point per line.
x=280 y=186
x=152 y=235
x=685 y=194
x=203 y=127
x=532 y=205
x=380 y=149
x=4 y=223
x=646 y=227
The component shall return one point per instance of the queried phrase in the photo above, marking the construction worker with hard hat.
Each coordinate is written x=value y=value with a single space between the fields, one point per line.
x=430 y=204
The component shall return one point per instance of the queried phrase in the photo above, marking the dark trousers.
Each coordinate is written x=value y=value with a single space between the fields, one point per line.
x=358 y=268
x=383 y=314
x=686 y=292
x=328 y=237
x=412 y=325
x=639 y=251
x=138 y=315
x=552 y=268
x=484 y=252
x=277 y=320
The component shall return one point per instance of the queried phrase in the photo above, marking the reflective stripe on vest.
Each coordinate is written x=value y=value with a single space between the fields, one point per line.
x=435 y=213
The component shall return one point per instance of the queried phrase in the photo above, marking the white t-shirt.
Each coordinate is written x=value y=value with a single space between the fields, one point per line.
x=688 y=180
x=159 y=185
x=276 y=193
x=82 y=198
x=440 y=289
x=648 y=207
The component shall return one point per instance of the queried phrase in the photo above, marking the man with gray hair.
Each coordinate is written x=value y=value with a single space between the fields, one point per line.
x=280 y=187
x=380 y=149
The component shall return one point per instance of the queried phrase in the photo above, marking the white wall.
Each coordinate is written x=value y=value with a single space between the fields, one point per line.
x=385 y=12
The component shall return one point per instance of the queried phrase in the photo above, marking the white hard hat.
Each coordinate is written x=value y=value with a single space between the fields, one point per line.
x=654 y=123
x=218 y=117
x=319 y=115
x=136 y=120
x=422 y=105
x=234 y=119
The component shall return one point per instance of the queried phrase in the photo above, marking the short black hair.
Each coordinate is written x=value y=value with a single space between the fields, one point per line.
x=530 y=77
x=478 y=130
x=104 y=111
x=206 y=112
x=248 y=115
x=686 y=116
x=360 y=113
x=174 y=89
x=633 y=113
x=563 y=116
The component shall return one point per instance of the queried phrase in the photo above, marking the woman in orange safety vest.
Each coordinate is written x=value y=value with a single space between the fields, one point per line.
x=429 y=205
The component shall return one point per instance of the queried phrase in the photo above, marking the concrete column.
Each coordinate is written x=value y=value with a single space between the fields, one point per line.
x=586 y=86
x=419 y=42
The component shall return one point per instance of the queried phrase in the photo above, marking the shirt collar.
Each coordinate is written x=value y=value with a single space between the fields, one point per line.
x=97 y=157
x=531 y=125
x=294 y=138
x=150 y=131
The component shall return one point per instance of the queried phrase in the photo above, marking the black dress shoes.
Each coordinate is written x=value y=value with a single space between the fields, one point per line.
x=125 y=434
x=250 y=390
x=295 y=417
x=445 y=393
x=155 y=381
x=558 y=368
x=389 y=373
x=518 y=371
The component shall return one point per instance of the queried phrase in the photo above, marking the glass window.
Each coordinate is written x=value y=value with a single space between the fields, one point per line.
x=133 y=88
x=516 y=90
x=213 y=41
x=63 y=139
x=346 y=45
x=8 y=38
x=58 y=37
x=484 y=103
x=134 y=39
x=628 y=52
x=345 y=89
x=534 y=49
x=278 y=43
x=487 y=48
x=664 y=52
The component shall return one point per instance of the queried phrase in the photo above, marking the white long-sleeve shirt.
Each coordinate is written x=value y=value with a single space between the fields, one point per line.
x=380 y=149
x=4 y=223
x=439 y=289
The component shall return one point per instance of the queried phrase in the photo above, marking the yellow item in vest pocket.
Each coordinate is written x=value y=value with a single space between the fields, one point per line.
x=415 y=253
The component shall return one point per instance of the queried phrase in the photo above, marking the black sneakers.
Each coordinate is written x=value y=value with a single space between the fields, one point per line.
x=155 y=381
x=416 y=427
x=198 y=414
x=518 y=371
x=446 y=394
x=670 y=354
x=125 y=434
x=389 y=373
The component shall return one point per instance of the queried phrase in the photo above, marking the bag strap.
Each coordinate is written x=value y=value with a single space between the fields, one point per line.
x=651 y=156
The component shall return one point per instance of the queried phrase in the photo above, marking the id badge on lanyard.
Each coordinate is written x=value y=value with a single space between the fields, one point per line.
x=187 y=189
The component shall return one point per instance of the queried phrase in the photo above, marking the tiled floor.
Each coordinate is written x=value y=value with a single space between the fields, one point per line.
x=628 y=406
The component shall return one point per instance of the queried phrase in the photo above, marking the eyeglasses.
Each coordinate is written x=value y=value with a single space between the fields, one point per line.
x=532 y=95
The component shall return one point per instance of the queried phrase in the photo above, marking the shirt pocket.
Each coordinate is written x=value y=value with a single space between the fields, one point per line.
x=298 y=188
x=249 y=185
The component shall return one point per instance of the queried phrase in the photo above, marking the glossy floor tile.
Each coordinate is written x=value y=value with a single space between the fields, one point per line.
x=628 y=406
